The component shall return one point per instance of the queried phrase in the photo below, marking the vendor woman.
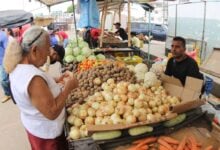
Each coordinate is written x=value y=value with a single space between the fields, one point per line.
x=40 y=99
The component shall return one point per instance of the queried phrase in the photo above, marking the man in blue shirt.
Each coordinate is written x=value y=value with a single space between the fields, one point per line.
x=53 y=39
x=3 y=75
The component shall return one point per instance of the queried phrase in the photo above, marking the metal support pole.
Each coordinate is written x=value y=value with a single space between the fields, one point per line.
x=176 y=21
x=129 y=23
x=203 y=53
x=74 y=17
x=149 y=34
x=163 y=12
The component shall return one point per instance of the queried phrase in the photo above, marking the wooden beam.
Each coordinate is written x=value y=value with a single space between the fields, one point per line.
x=103 y=22
x=129 y=23
x=113 y=19
x=119 y=13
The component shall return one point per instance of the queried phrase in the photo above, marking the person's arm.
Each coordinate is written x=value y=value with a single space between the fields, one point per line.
x=42 y=98
x=193 y=71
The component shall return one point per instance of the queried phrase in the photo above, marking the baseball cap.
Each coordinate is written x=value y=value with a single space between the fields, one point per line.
x=117 y=23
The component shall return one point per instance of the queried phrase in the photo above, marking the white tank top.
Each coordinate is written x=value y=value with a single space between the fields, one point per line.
x=32 y=119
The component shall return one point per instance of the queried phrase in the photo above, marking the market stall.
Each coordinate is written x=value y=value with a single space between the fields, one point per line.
x=120 y=101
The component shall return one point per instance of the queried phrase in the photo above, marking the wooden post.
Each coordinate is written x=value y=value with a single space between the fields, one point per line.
x=129 y=23
x=102 y=16
x=119 y=13
x=103 y=22
x=113 y=19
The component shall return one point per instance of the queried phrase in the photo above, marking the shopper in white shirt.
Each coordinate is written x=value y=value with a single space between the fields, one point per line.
x=39 y=98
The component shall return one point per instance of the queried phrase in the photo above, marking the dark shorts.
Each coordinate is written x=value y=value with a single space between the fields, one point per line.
x=37 y=143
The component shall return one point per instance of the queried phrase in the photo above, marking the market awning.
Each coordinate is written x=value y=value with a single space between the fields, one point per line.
x=113 y=4
x=14 y=18
x=52 y=2
x=116 y=4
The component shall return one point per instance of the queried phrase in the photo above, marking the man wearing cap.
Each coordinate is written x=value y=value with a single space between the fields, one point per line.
x=120 y=31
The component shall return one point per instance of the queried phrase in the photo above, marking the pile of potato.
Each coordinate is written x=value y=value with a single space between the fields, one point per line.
x=90 y=81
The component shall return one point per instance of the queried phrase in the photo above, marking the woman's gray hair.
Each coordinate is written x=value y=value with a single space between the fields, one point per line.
x=34 y=36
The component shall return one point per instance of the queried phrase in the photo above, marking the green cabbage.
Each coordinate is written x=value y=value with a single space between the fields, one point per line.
x=92 y=57
x=83 y=44
x=100 y=57
x=68 y=51
x=80 y=58
x=86 y=52
x=76 y=51
x=69 y=58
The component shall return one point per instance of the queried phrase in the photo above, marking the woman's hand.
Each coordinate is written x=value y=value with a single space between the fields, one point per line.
x=70 y=83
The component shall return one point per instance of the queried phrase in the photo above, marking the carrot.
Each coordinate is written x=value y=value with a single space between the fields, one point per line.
x=186 y=148
x=132 y=148
x=138 y=141
x=193 y=143
x=182 y=144
x=169 y=140
x=199 y=144
x=174 y=147
x=147 y=141
x=144 y=147
x=209 y=147
x=164 y=143
x=161 y=147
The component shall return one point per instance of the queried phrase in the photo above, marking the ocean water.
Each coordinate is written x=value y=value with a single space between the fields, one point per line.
x=192 y=28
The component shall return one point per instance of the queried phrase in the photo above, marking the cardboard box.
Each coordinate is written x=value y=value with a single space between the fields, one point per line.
x=189 y=95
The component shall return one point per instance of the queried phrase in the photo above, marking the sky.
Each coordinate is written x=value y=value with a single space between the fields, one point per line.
x=36 y=8
x=33 y=6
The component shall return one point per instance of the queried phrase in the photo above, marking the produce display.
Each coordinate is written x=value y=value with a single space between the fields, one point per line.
x=149 y=79
x=88 y=64
x=112 y=93
x=108 y=135
x=175 y=121
x=140 y=70
x=130 y=60
x=189 y=142
x=122 y=103
x=90 y=81
x=80 y=53
x=159 y=67
x=111 y=39
x=139 y=130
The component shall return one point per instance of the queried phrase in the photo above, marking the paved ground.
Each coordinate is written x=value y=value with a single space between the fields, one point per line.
x=157 y=48
x=12 y=134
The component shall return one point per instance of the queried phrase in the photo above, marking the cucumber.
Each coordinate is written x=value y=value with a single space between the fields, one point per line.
x=139 y=130
x=178 y=119
x=107 y=135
